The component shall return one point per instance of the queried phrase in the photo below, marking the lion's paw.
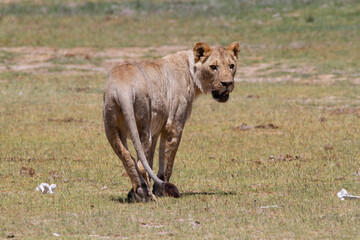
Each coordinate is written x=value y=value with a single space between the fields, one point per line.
x=158 y=190
x=141 y=195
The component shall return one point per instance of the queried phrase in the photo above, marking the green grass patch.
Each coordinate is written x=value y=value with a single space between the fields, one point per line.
x=6 y=57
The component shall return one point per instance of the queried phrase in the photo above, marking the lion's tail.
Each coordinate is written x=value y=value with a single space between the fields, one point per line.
x=128 y=112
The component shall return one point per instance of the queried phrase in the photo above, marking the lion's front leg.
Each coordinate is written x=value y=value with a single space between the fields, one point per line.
x=169 y=144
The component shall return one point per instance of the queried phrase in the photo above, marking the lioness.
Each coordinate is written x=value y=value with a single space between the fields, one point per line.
x=151 y=99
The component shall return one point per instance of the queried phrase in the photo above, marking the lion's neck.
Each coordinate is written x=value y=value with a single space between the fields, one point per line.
x=184 y=60
x=197 y=84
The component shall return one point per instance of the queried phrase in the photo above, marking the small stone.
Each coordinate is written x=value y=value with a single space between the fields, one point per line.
x=10 y=235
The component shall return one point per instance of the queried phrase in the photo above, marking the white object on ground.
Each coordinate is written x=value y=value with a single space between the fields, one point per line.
x=56 y=235
x=273 y=206
x=343 y=194
x=46 y=188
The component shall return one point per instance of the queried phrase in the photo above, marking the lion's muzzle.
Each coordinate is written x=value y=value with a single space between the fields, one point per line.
x=220 y=97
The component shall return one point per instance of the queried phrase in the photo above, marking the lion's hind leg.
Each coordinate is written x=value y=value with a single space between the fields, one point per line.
x=149 y=149
x=117 y=139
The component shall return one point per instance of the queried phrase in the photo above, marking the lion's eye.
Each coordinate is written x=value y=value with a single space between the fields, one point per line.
x=232 y=66
x=213 y=67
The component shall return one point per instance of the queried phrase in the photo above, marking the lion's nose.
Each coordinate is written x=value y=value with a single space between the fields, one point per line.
x=226 y=84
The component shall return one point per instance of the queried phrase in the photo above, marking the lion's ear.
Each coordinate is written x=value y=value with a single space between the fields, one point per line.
x=201 y=50
x=234 y=48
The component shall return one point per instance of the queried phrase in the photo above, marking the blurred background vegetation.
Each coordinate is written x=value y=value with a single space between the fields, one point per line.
x=324 y=32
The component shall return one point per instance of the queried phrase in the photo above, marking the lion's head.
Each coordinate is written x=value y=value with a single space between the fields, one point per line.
x=215 y=68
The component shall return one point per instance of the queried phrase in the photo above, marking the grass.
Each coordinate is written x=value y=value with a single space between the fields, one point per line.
x=226 y=175
x=5 y=56
x=52 y=122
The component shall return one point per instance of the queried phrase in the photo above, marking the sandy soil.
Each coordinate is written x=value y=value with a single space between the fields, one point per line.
x=68 y=61
x=40 y=59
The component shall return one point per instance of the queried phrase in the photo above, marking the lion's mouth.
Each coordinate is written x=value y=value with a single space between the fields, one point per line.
x=220 y=97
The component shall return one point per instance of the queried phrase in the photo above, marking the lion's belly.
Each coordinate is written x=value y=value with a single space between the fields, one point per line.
x=158 y=119
x=159 y=111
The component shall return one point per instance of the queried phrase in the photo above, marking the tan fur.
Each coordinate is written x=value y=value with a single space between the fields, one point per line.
x=154 y=99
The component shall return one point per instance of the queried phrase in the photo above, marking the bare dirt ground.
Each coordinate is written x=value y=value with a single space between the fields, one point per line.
x=68 y=61
x=8 y=1
x=40 y=59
